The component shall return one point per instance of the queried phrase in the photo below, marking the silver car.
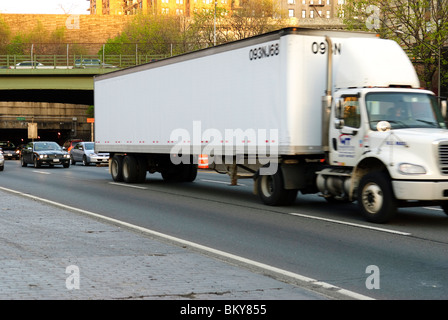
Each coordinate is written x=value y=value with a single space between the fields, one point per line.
x=85 y=152
x=2 y=161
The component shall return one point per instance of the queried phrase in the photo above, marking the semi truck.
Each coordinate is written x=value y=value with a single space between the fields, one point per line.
x=335 y=113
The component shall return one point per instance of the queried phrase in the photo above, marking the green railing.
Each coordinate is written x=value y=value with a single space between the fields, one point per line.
x=74 y=61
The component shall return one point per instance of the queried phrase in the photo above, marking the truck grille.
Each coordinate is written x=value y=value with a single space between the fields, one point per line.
x=443 y=157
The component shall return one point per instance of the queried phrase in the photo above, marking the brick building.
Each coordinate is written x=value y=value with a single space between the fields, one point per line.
x=177 y=7
x=298 y=9
x=311 y=9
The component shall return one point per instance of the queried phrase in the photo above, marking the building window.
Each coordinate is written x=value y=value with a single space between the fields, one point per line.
x=291 y=13
x=303 y=14
x=328 y=14
x=291 y=1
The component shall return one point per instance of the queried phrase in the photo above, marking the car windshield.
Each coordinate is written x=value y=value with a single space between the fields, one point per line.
x=404 y=110
x=46 y=146
x=89 y=146
x=7 y=145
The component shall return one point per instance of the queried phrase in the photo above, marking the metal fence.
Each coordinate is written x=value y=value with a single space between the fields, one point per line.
x=74 y=61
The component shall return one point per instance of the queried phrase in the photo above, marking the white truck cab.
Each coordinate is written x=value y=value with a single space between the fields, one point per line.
x=386 y=134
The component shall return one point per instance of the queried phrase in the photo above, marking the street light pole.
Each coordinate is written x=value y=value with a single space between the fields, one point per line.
x=214 y=26
x=440 y=71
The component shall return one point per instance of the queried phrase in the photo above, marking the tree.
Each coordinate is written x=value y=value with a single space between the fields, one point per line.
x=255 y=17
x=251 y=18
x=420 y=27
x=5 y=34
x=44 y=42
x=204 y=30
x=148 y=34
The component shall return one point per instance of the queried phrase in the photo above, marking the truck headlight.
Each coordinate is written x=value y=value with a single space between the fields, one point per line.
x=409 y=168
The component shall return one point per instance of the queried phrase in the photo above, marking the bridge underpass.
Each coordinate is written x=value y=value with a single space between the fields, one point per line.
x=56 y=99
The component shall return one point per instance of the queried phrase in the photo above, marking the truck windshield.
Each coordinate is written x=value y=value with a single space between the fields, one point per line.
x=404 y=110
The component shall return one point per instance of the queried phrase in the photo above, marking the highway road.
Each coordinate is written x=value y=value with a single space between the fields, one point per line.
x=405 y=259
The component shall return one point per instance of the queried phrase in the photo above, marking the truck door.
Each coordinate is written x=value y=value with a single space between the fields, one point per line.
x=346 y=131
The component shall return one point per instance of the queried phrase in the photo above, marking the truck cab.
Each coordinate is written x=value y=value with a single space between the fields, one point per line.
x=393 y=145
x=387 y=139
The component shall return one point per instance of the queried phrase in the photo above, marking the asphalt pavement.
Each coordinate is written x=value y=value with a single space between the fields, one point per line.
x=50 y=252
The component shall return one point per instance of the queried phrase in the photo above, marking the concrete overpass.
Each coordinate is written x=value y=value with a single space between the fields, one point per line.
x=56 y=98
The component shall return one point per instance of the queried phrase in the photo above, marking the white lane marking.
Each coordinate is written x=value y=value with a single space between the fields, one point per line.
x=432 y=208
x=222 y=182
x=41 y=172
x=310 y=281
x=128 y=185
x=351 y=224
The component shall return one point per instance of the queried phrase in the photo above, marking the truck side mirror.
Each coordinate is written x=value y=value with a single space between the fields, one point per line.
x=443 y=108
x=338 y=112
x=339 y=109
x=339 y=123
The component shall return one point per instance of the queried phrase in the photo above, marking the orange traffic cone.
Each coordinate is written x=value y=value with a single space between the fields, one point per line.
x=203 y=161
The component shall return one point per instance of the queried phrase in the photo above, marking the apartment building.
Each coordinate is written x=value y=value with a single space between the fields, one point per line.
x=300 y=12
x=175 y=7
x=311 y=9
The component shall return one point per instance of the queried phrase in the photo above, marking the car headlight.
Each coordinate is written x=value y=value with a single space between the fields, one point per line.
x=409 y=168
x=67 y=156
x=43 y=156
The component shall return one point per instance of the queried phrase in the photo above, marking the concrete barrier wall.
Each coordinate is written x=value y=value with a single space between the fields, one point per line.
x=78 y=28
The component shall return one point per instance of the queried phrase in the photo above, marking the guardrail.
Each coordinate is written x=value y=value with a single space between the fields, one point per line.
x=74 y=61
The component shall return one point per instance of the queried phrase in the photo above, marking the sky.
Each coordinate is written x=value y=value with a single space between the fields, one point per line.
x=45 y=6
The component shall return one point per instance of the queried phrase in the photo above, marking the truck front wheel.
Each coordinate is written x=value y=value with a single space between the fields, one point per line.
x=116 y=168
x=272 y=192
x=375 y=198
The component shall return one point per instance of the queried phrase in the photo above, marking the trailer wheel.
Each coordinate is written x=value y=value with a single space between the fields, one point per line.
x=141 y=170
x=375 y=198
x=116 y=168
x=272 y=192
x=129 y=169
x=189 y=172
x=134 y=169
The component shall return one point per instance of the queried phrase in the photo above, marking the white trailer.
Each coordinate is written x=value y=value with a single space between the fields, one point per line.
x=297 y=110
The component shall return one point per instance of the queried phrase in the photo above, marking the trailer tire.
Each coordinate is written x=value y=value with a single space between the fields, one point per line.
x=116 y=168
x=189 y=172
x=272 y=192
x=141 y=170
x=376 y=199
x=129 y=169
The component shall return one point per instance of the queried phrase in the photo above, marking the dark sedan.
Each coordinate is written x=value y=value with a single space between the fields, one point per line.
x=9 y=150
x=44 y=153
